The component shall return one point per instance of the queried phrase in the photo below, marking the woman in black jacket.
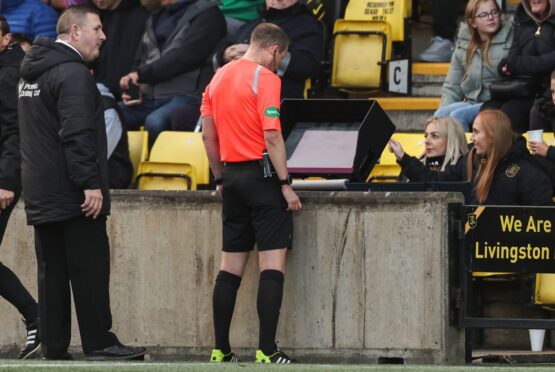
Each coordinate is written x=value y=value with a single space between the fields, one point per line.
x=532 y=54
x=499 y=166
x=445 y=144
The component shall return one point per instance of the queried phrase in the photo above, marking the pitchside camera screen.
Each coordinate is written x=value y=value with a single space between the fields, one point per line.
x=327 y=147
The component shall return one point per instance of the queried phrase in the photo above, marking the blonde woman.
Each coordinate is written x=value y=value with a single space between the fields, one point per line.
x=483 y=41
x=499 y=166
x=445 y=145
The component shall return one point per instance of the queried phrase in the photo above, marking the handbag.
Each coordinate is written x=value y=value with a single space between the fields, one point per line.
x=514 y=87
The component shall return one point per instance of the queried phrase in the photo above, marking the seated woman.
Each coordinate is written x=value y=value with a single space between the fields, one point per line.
x=532 y=54
x=499 y=165
x=481 y=43
x=445 y=145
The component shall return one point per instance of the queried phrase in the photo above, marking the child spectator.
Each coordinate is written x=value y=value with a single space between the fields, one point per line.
x=481 y=44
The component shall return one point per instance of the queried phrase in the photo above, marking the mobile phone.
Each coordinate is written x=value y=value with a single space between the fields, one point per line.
x=133 y=91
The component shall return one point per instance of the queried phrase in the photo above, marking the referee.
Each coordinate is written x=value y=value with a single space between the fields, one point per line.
x=240 y=117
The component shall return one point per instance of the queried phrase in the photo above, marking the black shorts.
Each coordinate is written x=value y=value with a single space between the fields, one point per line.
x=254 y=210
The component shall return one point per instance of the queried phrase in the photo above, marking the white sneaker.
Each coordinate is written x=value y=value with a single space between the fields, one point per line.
x=439 y=50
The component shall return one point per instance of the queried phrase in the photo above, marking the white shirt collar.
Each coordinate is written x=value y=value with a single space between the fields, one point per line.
x=69 y=45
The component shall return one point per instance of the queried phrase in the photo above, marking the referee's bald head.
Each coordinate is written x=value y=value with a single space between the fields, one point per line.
x=268 y=34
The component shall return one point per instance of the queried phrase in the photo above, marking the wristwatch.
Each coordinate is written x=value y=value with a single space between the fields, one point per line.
x=287 y=181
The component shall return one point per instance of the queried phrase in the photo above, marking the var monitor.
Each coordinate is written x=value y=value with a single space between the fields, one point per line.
x=334 y=138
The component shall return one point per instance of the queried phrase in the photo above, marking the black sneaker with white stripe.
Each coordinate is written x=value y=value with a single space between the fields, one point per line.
x=32 y=345
x=277 y=357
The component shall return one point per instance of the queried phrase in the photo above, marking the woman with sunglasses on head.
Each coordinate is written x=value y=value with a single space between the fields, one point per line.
x=481 y=44
x=499 y=165
x=532 y=55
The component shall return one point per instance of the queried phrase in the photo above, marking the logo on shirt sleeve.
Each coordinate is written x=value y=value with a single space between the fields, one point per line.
x=272 y=112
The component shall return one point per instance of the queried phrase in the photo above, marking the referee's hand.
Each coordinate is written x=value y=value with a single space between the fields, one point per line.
x=293 y=201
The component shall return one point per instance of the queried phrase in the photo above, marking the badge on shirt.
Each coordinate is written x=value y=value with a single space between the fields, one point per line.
x=512 y=170
x=272 y=112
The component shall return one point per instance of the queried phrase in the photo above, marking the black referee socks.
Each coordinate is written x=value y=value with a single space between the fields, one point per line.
x=223 y=303
x=268 y=303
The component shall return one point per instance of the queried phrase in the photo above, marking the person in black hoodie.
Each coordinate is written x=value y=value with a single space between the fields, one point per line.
x=532 y=54
x=11 y=287
x=65 y=186
x=301 y=62
x=499 y=166
x=124 y=23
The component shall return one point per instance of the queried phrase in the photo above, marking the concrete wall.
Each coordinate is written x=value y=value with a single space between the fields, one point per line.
x=367 y=277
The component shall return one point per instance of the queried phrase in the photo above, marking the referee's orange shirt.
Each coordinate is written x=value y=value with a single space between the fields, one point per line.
x=244 y=100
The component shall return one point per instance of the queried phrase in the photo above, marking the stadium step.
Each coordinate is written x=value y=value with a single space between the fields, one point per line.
x=427 y=78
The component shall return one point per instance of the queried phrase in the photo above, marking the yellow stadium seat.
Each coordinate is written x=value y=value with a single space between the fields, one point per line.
x=183 y=148
x=387 y=169
x=166 y=176
x=138 y=149
x=360 y=52
x=544 y=291
x=393 y=12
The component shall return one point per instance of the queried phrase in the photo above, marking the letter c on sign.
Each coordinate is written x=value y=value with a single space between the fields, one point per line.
x=396 y=79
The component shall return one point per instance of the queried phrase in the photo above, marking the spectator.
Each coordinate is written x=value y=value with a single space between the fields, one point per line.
x=305 y=51
x=531 y=54
x=542 y=115
x=445 y=15
x=30 y=17
x=120 y=168
x=301 y=62
x=544 y=118
x=481 y=43
x=173 y=66
x=499 y=165
x=62 y=4
x=239 y=12
x=445 y=145
x=123 y=22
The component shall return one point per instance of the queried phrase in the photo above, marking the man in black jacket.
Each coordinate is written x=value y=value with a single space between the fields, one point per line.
x=65 y=184
x=172 y=62
x=10 y=183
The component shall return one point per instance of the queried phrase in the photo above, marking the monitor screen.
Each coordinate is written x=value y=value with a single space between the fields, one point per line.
x=322 y=147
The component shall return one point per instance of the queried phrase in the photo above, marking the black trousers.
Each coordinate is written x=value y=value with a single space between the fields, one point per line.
x=445 y=13
x=11 y=287
x=74 y=251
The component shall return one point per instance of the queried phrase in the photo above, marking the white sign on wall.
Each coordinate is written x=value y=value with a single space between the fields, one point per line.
x=399 y=76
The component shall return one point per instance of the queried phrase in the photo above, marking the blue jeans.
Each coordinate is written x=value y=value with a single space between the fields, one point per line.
x=464 y=112
x=154 y=114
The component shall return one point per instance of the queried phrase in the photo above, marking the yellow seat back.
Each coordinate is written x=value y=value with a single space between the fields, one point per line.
x=138 y=149
x=357 y=53
x=392 y=12
x=183 y=147
x=544 y=292
x=387 y=169
x=166 y=176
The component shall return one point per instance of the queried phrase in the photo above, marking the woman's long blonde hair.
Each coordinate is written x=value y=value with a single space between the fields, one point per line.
x=451 y=129
x=476 y=42
x=497 y=127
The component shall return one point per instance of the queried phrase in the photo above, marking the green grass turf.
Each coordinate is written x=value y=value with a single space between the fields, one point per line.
x=9 y=365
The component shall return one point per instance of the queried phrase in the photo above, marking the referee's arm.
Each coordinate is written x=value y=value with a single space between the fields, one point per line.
x=276 y=151
x=212 y=145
